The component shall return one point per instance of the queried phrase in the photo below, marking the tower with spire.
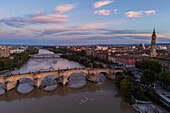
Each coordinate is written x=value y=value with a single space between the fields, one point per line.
x=153 y=45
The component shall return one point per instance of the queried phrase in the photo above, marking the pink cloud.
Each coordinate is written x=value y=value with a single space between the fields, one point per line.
x=150 y=12
x=103 y=12
x=95 y=26
x=51 y=18
x=88 y=26
x=3 y=34
x=135 y=14
x=92 y=26
x=33 y=29
x=145 y=35
x=64 y=8
x=57 y=28
x=43 y=19
x=101 y=3
x=41 y=11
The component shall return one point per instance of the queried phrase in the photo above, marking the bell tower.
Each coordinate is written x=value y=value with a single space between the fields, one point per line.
x=153 y=45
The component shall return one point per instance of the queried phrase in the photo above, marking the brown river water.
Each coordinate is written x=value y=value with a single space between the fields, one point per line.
x=78 y=96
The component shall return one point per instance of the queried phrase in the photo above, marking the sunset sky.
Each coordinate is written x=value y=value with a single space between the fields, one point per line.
x=76 y=22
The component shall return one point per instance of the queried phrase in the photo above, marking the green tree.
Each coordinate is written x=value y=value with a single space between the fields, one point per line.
x=138 y=92
x=108 y=66
x=100 y=65
x=118 y=79
x=126 y=86
x=148 y=77
x=129 y=72
x=149 y=64
x=165 y=78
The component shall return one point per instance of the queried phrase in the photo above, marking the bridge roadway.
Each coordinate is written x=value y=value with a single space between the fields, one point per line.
x=10 y=81
x=45 y=56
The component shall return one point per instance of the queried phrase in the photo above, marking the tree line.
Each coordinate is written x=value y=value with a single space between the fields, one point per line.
x=17 y=61
x=143 y=89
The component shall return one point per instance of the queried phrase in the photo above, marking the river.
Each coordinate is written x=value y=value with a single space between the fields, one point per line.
x=78 y=96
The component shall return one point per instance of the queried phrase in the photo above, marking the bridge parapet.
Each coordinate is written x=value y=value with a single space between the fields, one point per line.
x=62 y=75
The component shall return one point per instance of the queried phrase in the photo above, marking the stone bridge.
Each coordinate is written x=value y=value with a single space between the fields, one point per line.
x=11 y=81
x=45 y=56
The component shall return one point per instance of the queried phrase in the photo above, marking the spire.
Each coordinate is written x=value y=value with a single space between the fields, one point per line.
x=154 y=33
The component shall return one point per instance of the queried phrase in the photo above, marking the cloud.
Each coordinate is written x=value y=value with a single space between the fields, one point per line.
x=41 y=11
x=83 y=28
x=35 y=19
x=101 y=3
x=63 y=8
x=3 y=34
x=116 y=11
x=136 y=14
x=150 y=12
x=103 y=12
x=51 y=18
x=33 y=29
x=0 y=13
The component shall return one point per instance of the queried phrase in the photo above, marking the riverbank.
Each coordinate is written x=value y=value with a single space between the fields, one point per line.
x=18 y=60
x=82 y=58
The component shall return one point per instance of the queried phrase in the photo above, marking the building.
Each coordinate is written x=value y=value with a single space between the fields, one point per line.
x=103 y=48
x=103 y=55
x=16 y=51
x=165 y=61
x=90 y=51
x=141 y=47
x=112 y=58
x=130 y=60
x=153 y=45
x=4 y=51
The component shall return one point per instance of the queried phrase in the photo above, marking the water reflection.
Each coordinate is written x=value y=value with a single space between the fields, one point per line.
x=77 y=80
x=100 y=78
x=36 y=93
x=2 y=89
x=49 y=83
x=25 y=85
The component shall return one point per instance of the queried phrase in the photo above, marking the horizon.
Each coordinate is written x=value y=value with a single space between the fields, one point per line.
x=95 y=22
x=146 y=44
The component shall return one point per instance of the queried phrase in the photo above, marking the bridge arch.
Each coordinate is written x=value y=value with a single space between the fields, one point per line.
x=117 y=73
x=77 y=80
x=17 y=78
x=25 y=82
x=77 y=72
x=42 y=76
x=48 y=80
x=2 y=86
x=105 y=72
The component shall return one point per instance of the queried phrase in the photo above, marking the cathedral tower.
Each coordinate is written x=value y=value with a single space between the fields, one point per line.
x=153 y=45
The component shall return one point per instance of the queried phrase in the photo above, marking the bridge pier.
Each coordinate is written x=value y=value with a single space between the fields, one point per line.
x=64 y=80
x=37 y=82
x=10 y=85
x=91 y=78
x=112 y=77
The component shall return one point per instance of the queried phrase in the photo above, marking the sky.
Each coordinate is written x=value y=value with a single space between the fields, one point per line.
x=83 y=22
